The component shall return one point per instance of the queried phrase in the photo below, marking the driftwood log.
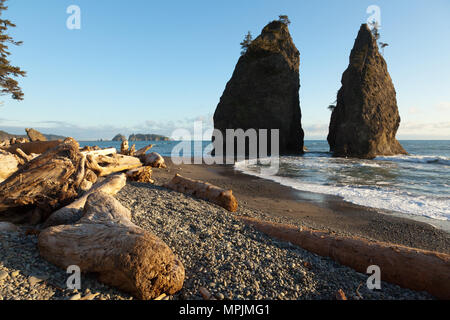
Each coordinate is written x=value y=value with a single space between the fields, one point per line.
x=37 y=147
x=102 y=152
x=205 y=191
x=104 y=165
x=124 y=147
x=142 y=174
x=416 y=269
x=143 y=150
x=153 y=159
x=45 y=183
x=123 y=255
x=9 y=163
x=74 y=211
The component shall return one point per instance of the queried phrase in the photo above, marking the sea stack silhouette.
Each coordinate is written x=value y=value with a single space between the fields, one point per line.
x=263 y=92
x=366 y=118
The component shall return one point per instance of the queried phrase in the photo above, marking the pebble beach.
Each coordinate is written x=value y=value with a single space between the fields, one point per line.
x=220 y=253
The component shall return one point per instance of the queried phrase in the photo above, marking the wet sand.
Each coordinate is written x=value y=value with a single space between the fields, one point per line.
x=272 y=201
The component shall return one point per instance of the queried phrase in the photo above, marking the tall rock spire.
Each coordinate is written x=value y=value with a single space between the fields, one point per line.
x=263 y=92
x=366 y=119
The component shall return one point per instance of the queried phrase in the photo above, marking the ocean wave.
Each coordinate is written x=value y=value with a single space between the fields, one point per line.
x=417 y=159
x=379 y=197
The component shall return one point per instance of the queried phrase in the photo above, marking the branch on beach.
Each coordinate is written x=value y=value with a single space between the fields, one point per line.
x=104 y=166
x=106 y=242
x=205 y=191
x=416 y=269
x=143 y=150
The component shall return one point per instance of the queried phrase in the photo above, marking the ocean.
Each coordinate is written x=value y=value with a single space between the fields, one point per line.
x=415 y=185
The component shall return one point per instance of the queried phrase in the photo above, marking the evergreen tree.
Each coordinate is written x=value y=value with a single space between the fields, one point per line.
x=284 y=19
x=246 y=43
x=375 y=29
x=7 y=84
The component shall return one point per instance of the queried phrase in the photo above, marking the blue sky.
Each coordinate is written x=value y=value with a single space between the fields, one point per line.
x=154 y=66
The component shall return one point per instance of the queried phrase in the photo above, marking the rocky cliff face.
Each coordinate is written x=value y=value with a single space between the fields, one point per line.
x=119 y=137
x=263 y=92
x=365 y=120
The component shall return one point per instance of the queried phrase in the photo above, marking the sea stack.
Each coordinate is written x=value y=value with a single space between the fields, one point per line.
x=366 y=119
x=263 y=92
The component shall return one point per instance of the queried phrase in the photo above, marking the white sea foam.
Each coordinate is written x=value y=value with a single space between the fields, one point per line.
x=380 y=196
x=417 y=159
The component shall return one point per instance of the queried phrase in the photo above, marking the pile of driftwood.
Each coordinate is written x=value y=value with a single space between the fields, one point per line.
x=68 y=192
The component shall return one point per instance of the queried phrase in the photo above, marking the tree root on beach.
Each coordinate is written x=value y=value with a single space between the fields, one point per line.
x=142 y=174
x=205 y=191
x=416 y=269
x=106 y=242
x=74 y=211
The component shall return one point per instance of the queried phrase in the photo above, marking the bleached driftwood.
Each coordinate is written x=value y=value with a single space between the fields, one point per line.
x=25 y=156
x=124 y=147
x=142 y=174
x=143 y=151
x=4 y=144
x=411 y=268
x=73 y=212
x=153 y=159
x=47 y=182
x=205 y=191
x=102 y=152
x=9 y=163
x=104 y=166
x=107 y=243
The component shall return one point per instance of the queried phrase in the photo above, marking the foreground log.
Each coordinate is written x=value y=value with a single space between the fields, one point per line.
x=205 y=191
x=104 y=166
x=154 y=160
x=47 y=182
x=123 y=255
x=74 y=211
x=37 y=147
x=142 y=174
x=9 y=163
x=416 y=269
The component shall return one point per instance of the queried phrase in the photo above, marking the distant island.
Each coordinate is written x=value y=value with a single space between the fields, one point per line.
x=141 y=137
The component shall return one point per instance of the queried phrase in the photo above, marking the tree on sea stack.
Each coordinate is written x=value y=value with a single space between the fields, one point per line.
x=7 y=71
x=284 y=19
x=246 y=43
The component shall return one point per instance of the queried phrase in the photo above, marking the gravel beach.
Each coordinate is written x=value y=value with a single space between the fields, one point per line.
x=219 y=252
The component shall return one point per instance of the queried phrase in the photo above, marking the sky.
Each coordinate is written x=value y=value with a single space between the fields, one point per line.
x=145 y=66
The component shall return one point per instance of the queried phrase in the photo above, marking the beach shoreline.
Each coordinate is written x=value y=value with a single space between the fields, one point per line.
x=272 y=201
